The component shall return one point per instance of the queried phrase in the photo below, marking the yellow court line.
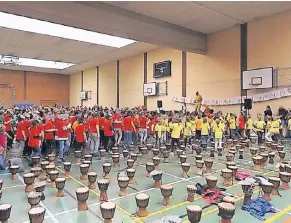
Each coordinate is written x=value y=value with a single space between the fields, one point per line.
x=277 y=215
x=98 y=195
x=4 y=188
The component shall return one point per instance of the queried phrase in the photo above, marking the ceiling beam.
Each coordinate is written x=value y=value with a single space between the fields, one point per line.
x=105 y=18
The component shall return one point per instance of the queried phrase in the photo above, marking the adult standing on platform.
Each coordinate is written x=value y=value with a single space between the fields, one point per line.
x=198 y=101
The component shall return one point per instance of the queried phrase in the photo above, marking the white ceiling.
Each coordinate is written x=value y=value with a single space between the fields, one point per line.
x=205 y=16
x=168 y=23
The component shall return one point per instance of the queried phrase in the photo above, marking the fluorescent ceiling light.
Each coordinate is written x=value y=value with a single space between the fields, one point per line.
x=47 y=28
x=21 y=61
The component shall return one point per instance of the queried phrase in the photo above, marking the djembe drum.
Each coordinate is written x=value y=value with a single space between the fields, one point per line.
x=60 y=185
x=36 y=215
x=125 y=153
x=13 y=170
x=241 y=154
x=204 y=146
x=103 y=187
x=67 y=168
x=253 y=139
x=88 y=157
x=143 y=150
x=78 y=155
x=254 y=151
x=48 y=169
x=149 y=147
x=167 y=191
x=229 y=163
x=288 y=168
x=142 y=202
x=88 y=162
x=265 y=159
x=199 y=166
x=130 y=174
x=53 y=176
x=130 y=163
x=235 y=142
x=271 y=157
x=191 y=190
x=274 y=146
x=168 y=146
x=198 y=157
x=84 y=169
x=229 y=199
x=229 y=157
x=35 y=161
x=232 y=151
x=107 y=211
x=276 y=184
x=282 y=167
x=227 y=176
x=226 y=212
x=115 y=160
x=219 y=150
x=234 y=171
x=36 y=171
x=283 y=141
x=102 y=154
x=185 y=168
x=183 y=158
x=155 y=152
x=149 y=168
x=131 y=147
x=282 y=155
x=40 y=187
x=82 y=197
x=5 y=211
x=92 y=177
x=179 y=152
x=198 y=150
x=208 y=165
x=157 y=176
x=194 y=213
x=285 y=178
x=257 y=160
x=156 y=161
x=238 y=147
x=43 y=165
x=28 y=180
x=106 y=170
x=267 y=189
x=228 y=144
x=211 y=181
x=247 y=189
x=280 y=148
x=34 y=199
x=123 y=183
x=212 y=152
x=115 y=150
x=268 y=144
x=51 y=159
x=133 y=156
x=1 y=184
x=166 y=155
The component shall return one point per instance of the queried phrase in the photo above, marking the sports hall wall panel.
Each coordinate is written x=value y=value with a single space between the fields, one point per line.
x=37 y=88
x=75 y=89
x=131 y=81
x=90 y=84
x=174 y=82
x=108 y=85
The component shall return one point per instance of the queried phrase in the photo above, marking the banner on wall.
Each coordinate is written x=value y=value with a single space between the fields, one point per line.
x=275 y=94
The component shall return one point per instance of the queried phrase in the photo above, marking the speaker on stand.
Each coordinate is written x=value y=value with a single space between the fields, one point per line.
x=248 y=104
x=159 y=104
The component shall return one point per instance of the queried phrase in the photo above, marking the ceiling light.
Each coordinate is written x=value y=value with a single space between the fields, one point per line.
x=21 y=61
x=47 y=28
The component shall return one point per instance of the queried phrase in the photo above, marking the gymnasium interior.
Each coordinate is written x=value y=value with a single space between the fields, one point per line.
x=144 y=57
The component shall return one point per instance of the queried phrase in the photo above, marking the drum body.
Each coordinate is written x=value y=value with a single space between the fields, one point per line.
x=78 y=155
x=103 y=187
x=194 y=213
x=285 y=178
x=67 y=168
x=92 y=177
x=166 y=191
x=106 y=170
x=191 y=190
x=82 y=197
x=185 y=168
x=211 y=182
x=5 y=211
x=123 y=183
x=28 y=180
x=208 y=165
x=267 y=188
x=227 y=176
x=157 y=176
x=107 y=211
x=14 y=170
x=199 y=167
x=142 y=202
x=53 y=176
x=130 y=174
x=226 y=212
x=156 y=161
x=276 y=184
x=34 y=199
x=60 y=185
x=36 y=215
x=84 y=168
x=150 y=167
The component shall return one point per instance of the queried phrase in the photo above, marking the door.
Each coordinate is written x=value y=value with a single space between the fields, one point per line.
x=6 y=97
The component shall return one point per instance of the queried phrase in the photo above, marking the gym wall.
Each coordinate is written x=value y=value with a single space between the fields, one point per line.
x=214 y=75
x=37 y=88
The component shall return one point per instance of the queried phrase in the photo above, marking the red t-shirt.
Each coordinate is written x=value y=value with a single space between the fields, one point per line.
x=127 y=123
x=27 y=125
x=7 y=119
x=241 y=122
x=79 y=132
x=72 y=119
x=118 y=118
x=60 y=124
x=136 y=123
x=107 y=130
x=92 y=125
x=20 y=127
x=152 y=127
x=48 y=125
x=34 y=131
x=101 y=123
x=143 y=122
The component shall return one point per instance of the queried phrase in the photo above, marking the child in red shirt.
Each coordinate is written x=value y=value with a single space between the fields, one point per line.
x=109 y=139
x=80 y=134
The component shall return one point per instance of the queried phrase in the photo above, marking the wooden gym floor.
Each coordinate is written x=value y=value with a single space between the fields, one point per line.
x=65 y=209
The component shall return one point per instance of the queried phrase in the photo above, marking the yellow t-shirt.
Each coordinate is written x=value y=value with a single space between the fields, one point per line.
x=289 y=124
x=199 y=124
x=275 y=126
x=164 y=126
x=158 y=129
x=176 y=130
x=193 y=125
x=222 y=124
x=232 y=124
x=249 y=124
x=218 y=131
x=205 y=129
x=260 y=126
x=198 y=99
x=187 y=129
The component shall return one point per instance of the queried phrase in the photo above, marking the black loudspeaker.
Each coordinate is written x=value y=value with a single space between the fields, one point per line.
x=248 y=104
x=159 y=104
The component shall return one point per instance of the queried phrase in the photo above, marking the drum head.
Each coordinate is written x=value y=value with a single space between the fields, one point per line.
x=123 y=178
x=131 y=170
x=105 y=164
x=28 y=175
x=92 y=174
x=185 y=164
x=150 y=164
x=67 y=163
x=60 y=179
x=166 y=187
x=37 y=210
x=103 y=181
x=142 y=196
x=274 y=178
x=84 y=165
x=194 y=208
x=226 y=206
x=14 y=166
x=5 y=206
x=211 y=178
x=82 y=190
x=107 y=205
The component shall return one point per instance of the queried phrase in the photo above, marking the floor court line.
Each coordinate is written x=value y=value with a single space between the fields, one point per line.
x=50 y=214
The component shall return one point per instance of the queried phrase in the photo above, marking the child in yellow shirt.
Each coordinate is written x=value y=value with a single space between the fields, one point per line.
x=205 y=128
x=187 y=132
x=159 y=132
x=199 y=127
x=176 y=129
x=260 y=128
x=218 y=132
x=249 y=126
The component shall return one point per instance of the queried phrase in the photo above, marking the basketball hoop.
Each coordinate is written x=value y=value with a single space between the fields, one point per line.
x=253 y=86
